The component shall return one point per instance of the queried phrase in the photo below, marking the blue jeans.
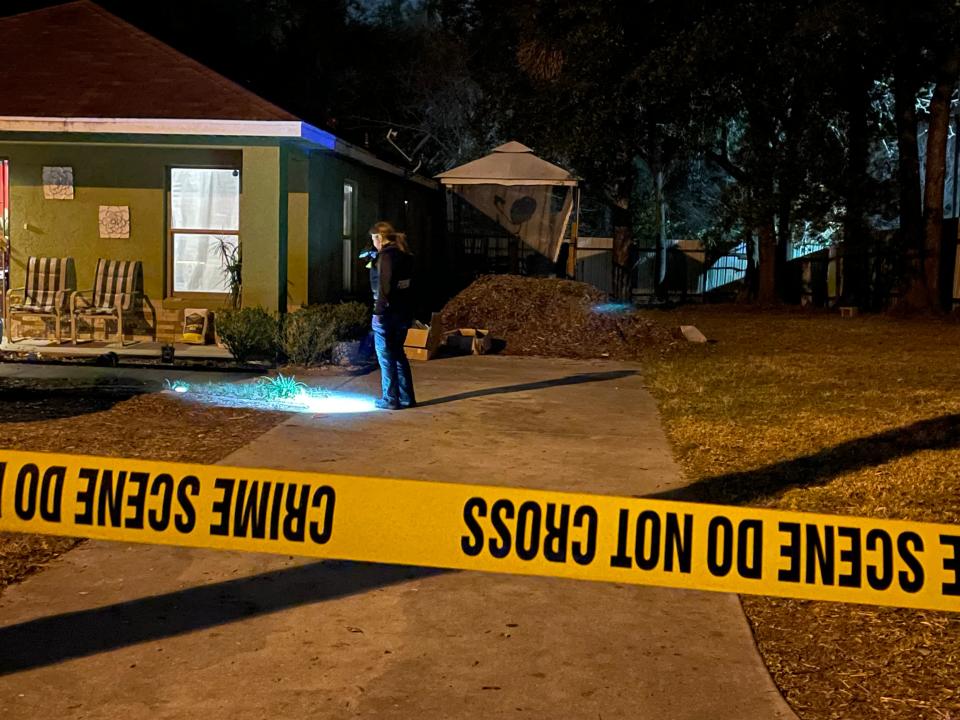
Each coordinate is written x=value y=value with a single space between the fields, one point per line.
x=396 y=380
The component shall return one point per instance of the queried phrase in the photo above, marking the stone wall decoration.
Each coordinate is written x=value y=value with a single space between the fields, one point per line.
x=114 y=221
x=58 y=183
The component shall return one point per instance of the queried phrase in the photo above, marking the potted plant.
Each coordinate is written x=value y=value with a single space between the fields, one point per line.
x=232 y=268
x=232 y=262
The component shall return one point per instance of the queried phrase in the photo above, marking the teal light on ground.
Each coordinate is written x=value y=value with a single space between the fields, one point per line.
x=178 y=386
x=613 y=307
x=281 y=393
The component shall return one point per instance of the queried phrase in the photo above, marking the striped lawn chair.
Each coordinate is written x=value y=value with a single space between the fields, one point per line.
x=45 y=293
x=117 y=286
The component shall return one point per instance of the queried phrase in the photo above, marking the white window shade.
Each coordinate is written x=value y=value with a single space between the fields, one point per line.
x=198 y=262
x=205 y=199
x=204 y=228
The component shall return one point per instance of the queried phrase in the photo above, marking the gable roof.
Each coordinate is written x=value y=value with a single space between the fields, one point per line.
x=510 y=164
x=76 y=68
x=77 y=60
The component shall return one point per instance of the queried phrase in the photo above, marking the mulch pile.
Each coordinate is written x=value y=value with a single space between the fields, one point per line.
x=552 y=317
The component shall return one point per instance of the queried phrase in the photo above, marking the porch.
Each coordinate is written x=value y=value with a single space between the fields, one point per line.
x=36 y=348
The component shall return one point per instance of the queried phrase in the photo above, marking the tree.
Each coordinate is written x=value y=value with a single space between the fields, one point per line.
x=757 y=101
x=416 y=84
x=572 y=80
x=926 y=284
x=928 y=40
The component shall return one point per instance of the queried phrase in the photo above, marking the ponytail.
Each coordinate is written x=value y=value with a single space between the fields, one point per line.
x=389 y=235
x=401 y=241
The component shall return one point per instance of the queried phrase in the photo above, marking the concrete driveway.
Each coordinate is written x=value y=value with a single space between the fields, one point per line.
x=122 y=631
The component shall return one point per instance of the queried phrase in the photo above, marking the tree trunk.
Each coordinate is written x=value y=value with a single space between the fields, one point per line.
x=622 y=221
x=784 y=229
x=788 y=188
x=855 y=267
x=933 y=186
x=767 y=270
x=750 y=279
x=905 y=87
x=659 y=285
x=764 y=139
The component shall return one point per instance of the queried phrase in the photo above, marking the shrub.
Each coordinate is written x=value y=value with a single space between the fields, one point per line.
x=248 y=332
x=353 y=321
x=309 y=334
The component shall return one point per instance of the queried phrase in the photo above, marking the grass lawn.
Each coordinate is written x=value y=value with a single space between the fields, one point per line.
x=811 y=412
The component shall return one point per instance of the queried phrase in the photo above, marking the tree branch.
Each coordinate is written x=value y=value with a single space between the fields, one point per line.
x=727 y=165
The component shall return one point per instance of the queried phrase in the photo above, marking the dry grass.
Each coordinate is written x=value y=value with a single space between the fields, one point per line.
x=51 y=417
x=812 y=412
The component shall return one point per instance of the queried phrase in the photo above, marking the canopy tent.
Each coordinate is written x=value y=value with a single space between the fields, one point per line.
x=509 y=164
x=526 y=195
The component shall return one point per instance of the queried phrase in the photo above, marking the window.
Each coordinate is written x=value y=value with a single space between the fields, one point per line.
x=349 y=231
x=204 y=228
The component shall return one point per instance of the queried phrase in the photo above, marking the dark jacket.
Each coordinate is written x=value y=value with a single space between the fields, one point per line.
x=392 y=282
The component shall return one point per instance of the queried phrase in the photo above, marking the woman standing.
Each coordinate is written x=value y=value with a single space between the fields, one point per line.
x=391 y=277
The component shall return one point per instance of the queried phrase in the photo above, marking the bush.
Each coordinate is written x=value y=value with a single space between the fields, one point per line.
x=309 y=334
x=353 y=321
x=248 y=333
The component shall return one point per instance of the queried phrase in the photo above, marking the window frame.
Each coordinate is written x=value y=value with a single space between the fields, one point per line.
x=170 y=292
x=347 y=248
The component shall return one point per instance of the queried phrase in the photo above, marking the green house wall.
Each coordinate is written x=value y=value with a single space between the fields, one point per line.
x=409 y=206
x=103 y=175
x=291 y=216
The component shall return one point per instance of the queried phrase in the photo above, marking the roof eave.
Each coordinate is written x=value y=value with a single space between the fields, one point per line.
x=342 y=147
x=447 y=180
x=279 y=129
x=170 y=126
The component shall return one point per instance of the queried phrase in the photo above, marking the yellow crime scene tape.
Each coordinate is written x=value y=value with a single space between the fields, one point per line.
x=494 y=529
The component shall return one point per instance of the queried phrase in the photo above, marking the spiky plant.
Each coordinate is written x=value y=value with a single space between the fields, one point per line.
x=283 y=387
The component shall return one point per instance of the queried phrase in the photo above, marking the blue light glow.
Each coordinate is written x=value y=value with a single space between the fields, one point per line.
x=613 y=307
x=178 y=386
x=318 y=136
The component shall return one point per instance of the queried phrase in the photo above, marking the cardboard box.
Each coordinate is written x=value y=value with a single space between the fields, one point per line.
x=470 y=340
x=415 y=353
x=422 y=341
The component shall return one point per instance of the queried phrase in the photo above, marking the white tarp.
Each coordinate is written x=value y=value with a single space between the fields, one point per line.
x=537 y=214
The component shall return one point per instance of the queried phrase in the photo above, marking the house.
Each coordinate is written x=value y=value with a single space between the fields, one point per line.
x=114 y=145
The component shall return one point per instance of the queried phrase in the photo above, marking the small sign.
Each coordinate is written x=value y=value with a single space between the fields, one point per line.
x=58 y=183
x=114 y=221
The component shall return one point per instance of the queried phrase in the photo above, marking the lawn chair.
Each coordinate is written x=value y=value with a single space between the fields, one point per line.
x=117 y=288
x=45 y=293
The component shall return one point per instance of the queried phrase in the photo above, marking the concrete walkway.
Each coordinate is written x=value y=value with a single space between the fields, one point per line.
x=115 y=631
